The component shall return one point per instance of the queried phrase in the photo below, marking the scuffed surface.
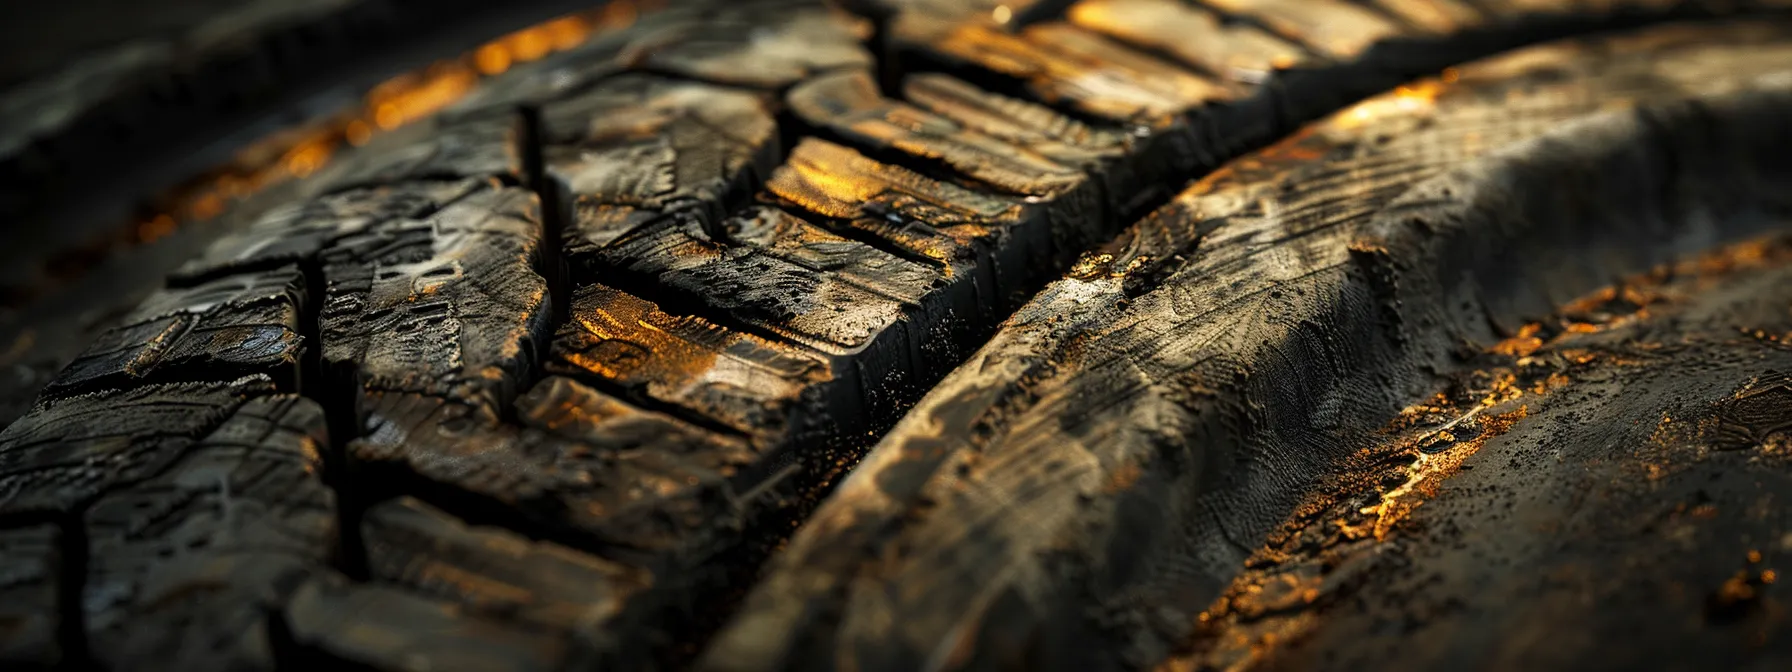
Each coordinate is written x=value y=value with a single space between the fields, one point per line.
x=1078 y=494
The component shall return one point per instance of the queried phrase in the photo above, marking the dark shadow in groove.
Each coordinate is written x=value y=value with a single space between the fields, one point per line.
x=71 y=630
x=336 y=393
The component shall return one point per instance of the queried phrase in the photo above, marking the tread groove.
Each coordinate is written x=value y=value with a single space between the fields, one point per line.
x=341 y=425
x=71 y=626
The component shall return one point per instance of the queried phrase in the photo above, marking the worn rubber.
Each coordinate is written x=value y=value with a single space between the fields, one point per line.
x=542 y=381
x=1080 y=493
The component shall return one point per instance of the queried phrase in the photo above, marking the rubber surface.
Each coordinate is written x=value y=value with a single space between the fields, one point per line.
x=542 y=381
x=1080 y=493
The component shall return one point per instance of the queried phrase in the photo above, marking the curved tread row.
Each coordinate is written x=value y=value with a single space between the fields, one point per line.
x=1076 y=495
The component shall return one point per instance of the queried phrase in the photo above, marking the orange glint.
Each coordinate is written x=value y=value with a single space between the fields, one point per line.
x=1423 y=93
x=403 y=102
x=1406 y=100
x=491 y=59
x=568 y=32
x=386 y=116
x=306 y=158
x=207 y=206
x=529 y=45
x=392 y=104
x=156 y=228
x=618 y=15
x=1524 y=343
x=358 y=133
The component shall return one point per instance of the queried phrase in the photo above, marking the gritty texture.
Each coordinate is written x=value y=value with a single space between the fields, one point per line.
x=541 y=381
x=1082 y=490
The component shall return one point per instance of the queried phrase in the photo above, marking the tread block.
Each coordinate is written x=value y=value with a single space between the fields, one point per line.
x=186 y=565
x=753 y=286
x=1061 y=63
x=494 y=571
x=659 y=496
x=30 y=605
x=1124 y=169
x=1021 y=123
x=985 y=243
x=386 y=627
x=443 y=148
x=298 y=231
x=940 y=311
x=67 y=451
x=920 y=217
x=748 y=383
x=777 y=233
x=638 y=146
x=234 y=325
x=451 y=305
x=837 y=296
x=653 y=494
x=848 y=103
x=1192 y=34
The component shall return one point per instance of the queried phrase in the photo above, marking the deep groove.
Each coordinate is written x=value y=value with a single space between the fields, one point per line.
x=1040 y=11
x=761 y=536
x=71 y=586
x=855 y=234
x=887 y=65
x=790 y=129
x=341 y=423
x=556 y=220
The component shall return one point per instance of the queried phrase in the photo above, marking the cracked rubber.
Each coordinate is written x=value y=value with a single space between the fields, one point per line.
x=543 y=381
